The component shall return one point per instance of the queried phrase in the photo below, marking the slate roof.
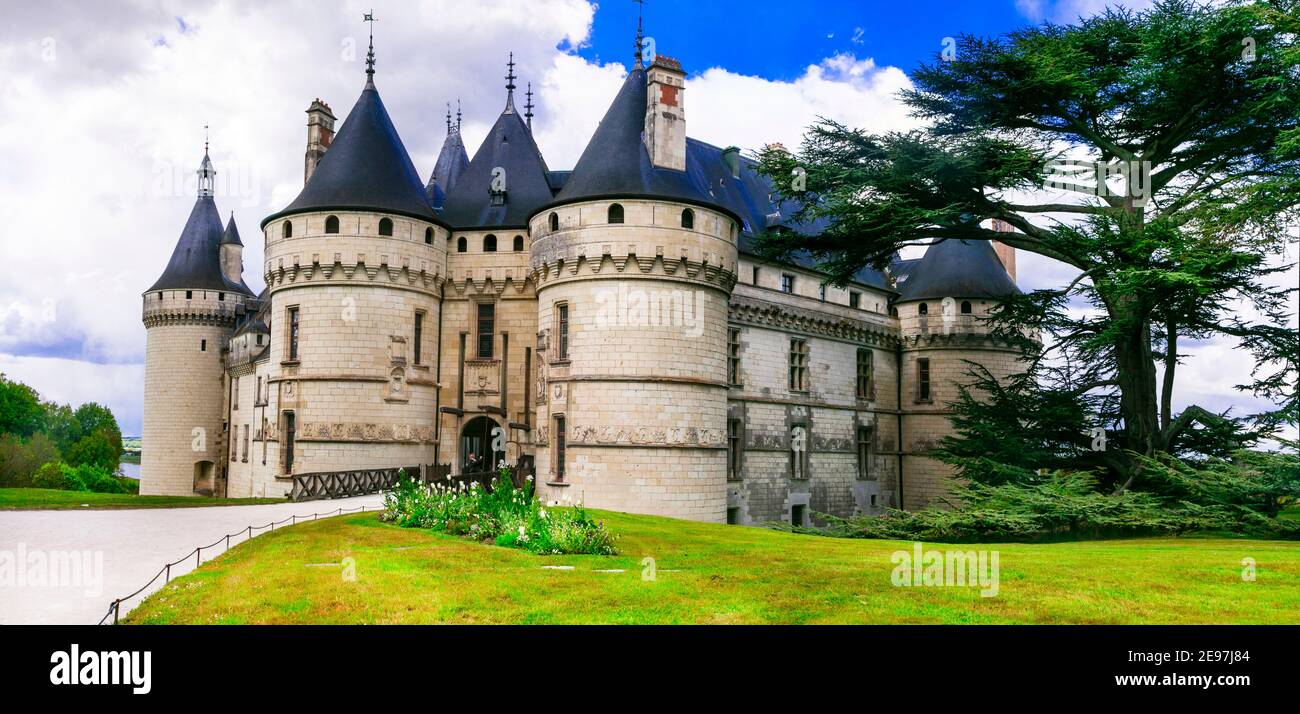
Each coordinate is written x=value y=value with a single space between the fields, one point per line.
x=196 y=260
x=366 y=168
x=452 y=163
x=958 y=269
x=615 y=163
x=230 y=236
x=510 y=146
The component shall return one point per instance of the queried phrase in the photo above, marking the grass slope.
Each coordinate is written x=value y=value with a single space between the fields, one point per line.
x=13 y=499
x=709 y=573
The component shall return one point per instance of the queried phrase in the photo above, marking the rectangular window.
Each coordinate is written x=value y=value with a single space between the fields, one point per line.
x=559 y=448
x=221 y=297
x=486 y=329
x=203 y=345
x=234 y=393
x=733 y=356
x=821 y=292
x=245 y=458
x=289 y=434
x=754 y=279
x=855 y=299
x=257 y=394
x=735 y=448
x=787 y=283
x=923 y=380
x=419 y=335
x=798 y=365
x=865 y=366
x=189 y=294
x=864 y=452
x=562 y=330
x=293 y=332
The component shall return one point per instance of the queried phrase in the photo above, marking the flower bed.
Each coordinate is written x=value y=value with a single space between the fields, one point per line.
x=505 y=515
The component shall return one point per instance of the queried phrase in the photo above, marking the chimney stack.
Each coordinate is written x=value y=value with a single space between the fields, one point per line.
x=1006 y=253
x=320 y=132
x=665 y=115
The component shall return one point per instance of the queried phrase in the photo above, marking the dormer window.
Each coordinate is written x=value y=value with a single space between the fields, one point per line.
x=332 y=224
x=615 y=213
x=385 y=226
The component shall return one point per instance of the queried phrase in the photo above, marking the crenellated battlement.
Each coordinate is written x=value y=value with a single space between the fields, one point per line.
x=204 y=307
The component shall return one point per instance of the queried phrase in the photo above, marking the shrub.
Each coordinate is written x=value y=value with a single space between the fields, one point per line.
x=21 y=458
x=505 y=514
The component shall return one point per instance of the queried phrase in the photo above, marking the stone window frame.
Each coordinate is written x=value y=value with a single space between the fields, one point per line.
x=428 y=236
x=924 y=386
x=799 y=358
x=563 y=321
x=804 y=456
x=292 y=333
x=735 y=449
x=734 y=348
x=559 y=447
x=331 y=222
x=688 y=219
x=615 y=214
x=286 y=230
x=518 y=244
x=490 y=243
x=862 y=436
x=462 y=244
x=244 y=458
x=855 y=299
x=417 y=337
x=865 y=385
x=478 y=331
x=787 y=283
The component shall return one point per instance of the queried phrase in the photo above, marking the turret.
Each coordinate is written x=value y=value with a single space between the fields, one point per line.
x=232 y=253
x=189 y=313
x=665 y=114
x=634 y=262
x=452 y=163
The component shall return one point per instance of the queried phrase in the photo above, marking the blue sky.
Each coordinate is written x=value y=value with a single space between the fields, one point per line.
x=778 y=39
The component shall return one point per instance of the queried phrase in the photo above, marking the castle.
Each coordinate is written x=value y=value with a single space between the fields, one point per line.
x=611 y=321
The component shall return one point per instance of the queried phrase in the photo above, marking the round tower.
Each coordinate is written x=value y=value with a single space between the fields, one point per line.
x=634 y=264
x=940 y=310
x=354 y=269
x=189 y=313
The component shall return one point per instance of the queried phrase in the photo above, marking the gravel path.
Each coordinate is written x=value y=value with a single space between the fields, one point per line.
x=66 y=566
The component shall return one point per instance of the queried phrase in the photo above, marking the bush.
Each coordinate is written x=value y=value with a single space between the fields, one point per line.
x=21 y=458
x=61 y=476
x=505 y=515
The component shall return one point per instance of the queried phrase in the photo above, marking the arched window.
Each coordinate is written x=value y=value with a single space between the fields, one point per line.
x=332 y=224
x=615 y=213
x=287 y=232
x=688 y=218
x=965 y=307
x=555 y=222
x=461 y=244
x=519 y=244
x=428 y=236
x=489 y=243
x=385 y=226
x=924 y=309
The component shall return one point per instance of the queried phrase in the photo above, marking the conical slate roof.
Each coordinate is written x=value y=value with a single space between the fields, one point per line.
x=616 y=164
x=510 y=146
x=196 y=261
x=366 y=169
x=452 y=163
x=230 y=236
x=959 y=269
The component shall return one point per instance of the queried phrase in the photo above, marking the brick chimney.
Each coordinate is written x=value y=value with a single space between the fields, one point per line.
x=320 y=132
x=665 y=115
x=1006 y=253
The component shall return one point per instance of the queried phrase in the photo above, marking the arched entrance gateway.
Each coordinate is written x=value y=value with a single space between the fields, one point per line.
x=476 y=439
x=203 y=481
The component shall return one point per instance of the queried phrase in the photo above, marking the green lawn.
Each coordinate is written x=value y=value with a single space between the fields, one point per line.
x=12 y=499
x=710 y=573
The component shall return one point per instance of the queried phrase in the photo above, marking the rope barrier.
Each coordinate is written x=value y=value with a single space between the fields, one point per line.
x=115 y=607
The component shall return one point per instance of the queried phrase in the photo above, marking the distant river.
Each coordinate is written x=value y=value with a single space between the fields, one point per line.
x=130 y=470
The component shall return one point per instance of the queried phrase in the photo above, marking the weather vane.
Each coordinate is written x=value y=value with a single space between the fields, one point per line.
x=640 y=35
x=370 y=56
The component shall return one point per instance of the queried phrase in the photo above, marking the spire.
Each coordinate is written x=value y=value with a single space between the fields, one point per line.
x=370 y=55
x=528 y=106
x=448 y=117
x=458 y=116
x=510 y=84
x=640 y=33
x=207 y=174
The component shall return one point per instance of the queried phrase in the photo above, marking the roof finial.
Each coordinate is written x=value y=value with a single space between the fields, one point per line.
x=205 y=139
x=640 y=34
x=457 y=115
x=510 y=83
x=448 y=117
x=207 y=174
x=370 y=56
x=528 y=106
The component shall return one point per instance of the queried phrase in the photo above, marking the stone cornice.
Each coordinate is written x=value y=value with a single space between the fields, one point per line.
x=552 y=269
x=279 y=275
x=749 y=311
